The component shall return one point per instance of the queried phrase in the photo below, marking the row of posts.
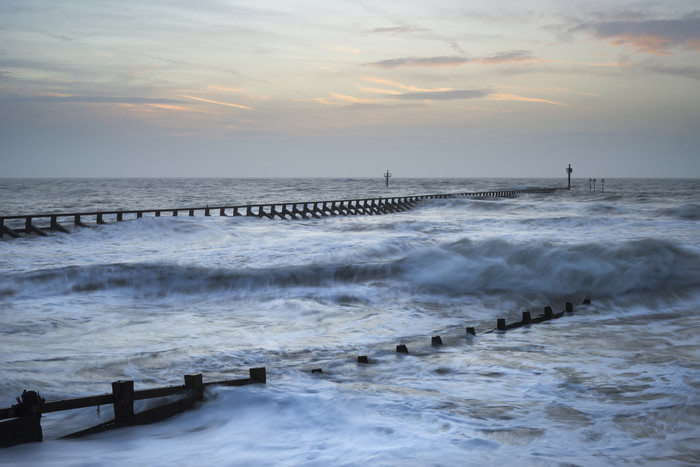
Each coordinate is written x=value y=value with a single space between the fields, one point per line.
x=591 y=184
x=501 y=325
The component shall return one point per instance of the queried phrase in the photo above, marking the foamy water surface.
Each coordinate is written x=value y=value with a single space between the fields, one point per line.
x=153 y=299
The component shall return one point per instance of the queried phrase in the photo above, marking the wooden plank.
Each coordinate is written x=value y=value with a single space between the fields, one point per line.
x=157 y=392
x=233 y=382
x=79 y=403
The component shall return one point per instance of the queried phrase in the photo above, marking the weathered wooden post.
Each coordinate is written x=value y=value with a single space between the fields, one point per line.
x=471 y=331
x=26 y=428
x=56 y=226
x=386 y=177
x=501 y=324
x=548 y=313
x=258 y=375
x=569 y=307
x=195 y=384
x=123 y=397
x=436 y=341
x=363 y=359
x=527 y=318
x=401 y=348
x=568 y=171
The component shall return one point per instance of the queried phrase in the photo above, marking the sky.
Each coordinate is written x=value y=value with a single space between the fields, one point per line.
x=349 y=88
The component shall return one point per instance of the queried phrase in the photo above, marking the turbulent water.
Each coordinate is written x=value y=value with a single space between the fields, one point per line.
x=152 y=299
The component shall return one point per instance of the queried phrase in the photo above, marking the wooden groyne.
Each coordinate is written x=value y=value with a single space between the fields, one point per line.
x=39 y=224
x=22 y=421
x=24 y=424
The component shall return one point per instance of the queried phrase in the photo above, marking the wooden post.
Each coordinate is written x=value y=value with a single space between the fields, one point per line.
x=362 y=359
x=501 y=324
x=56 y=226
x=569 y=307
x=548 y=313
x=471 y=331
x=26 y=428
x=401 y=348
x=258 y=375
x=436 y=341
x=526 y=317
x=196 y=384
x=123 y=395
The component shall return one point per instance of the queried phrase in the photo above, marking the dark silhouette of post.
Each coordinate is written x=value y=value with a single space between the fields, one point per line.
x=568 y=171
x=602 y=184
x=386 y=177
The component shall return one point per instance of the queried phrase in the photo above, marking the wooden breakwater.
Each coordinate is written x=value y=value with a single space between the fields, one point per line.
x=501 y=326
x=24 y=424
x=39 y=224
x=22 y=420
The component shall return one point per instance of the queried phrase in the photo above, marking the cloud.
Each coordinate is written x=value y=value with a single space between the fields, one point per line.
x=56 y=97
x=399 y=30
x=498 y=58
x=656 y=36
x=342 y=49
x=688 y=71
x=244 y=92
x=420 y=62
x=210 y=101
x=406 y=87
x=515 y=97
x=443 y=95
x=509 y=56
x=454 y=45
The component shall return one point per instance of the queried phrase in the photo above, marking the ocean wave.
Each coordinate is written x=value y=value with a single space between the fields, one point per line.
x=689 y=212
x=499 y=266
x=492 y=266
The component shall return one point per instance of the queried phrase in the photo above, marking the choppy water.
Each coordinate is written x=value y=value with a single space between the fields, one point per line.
x=153 y=299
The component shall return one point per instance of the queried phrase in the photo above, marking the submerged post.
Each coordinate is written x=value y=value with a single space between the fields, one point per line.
x=568 y=171
x=123 y=394
x=386 y=177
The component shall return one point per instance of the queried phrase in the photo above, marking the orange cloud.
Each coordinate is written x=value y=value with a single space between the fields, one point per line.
x=515 y=97
x=227 y=104
x=406 y=87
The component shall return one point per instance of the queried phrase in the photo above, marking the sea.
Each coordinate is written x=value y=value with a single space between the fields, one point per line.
x=616 y=382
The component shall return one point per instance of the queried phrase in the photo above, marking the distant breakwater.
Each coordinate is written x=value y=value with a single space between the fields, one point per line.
x=16 y=225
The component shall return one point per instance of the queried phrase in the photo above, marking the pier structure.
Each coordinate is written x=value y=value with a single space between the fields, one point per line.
x=15 y=225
